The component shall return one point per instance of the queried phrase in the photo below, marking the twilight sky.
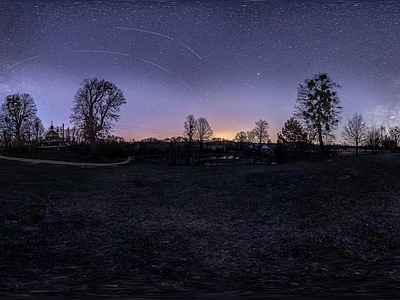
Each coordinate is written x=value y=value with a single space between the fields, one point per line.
x=232 y=63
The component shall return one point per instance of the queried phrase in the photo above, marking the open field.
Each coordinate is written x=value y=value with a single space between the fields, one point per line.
x=69 y=157
x=322 y=227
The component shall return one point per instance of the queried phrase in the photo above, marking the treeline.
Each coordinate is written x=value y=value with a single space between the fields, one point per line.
x=97 y=103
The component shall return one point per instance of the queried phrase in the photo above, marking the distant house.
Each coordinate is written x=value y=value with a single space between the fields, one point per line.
x=266 y=149
x=53 y=141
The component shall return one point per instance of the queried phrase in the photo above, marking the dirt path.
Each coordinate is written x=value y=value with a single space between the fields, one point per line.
x=69 y=163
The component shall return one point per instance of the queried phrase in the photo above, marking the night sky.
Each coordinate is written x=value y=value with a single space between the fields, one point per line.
x=232 y=63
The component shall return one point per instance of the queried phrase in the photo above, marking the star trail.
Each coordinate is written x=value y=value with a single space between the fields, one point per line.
x=230 y=62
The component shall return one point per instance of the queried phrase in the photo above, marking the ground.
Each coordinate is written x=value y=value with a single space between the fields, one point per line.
x=325 y=227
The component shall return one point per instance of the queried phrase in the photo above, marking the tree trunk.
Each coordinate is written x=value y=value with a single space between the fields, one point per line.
x=18 y=136
x=356 y=147
x=93 y=145
x=321 y=142
x=92 y=137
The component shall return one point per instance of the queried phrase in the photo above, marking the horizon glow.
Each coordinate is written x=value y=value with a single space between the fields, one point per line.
x=230 y=62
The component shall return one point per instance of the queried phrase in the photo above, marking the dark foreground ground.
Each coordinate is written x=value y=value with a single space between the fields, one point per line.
x=314 y=228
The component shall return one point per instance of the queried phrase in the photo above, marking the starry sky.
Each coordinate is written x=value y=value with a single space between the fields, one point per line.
x=230 y=62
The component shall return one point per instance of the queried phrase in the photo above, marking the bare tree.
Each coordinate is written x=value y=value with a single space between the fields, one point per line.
x=240 y=137
x=355 y=131
x=260 y=132
x=74 y=135
x=17 y=112
x=96 y=105
x=318 y=106
x=189 y=128
x=33 y=130
x=244 y=137
x=373 y=138
x=203 y=131
x=394 y=133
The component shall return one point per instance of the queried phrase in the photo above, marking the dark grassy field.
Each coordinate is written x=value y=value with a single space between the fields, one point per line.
x=64 y=156
x=327 y=227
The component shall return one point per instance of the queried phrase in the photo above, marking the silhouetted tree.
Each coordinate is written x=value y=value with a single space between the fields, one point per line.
x=75 y=135
x=384 y=139
x=244 y=138
x=318 y=106
x=394 y=133
x=260 y=132
x=373 y=139
x=240 y=137
x=260 y=135
x=355 y=131
x=17 y=112
x=189 y=131
x=281 y=152
x=189 y=128
x=293 y=132
x=34 y=130
x=175 y=147
x=203 y=131
x=96 y=105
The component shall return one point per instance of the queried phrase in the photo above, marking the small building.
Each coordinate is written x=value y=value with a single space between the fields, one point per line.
x=53 y=141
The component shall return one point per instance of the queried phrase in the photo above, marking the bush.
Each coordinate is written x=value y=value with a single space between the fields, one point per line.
x=281 y=152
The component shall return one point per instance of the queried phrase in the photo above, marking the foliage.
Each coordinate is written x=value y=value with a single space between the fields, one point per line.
x=355 y=131
x=34 y=130
x=281 y=152
x=96 y=105
x=114 y=146
x=318 y=106
x=244 y=138
x=189 y=127
x=18 y=118
x=197 y=130
x=75 y=135
x=380 y=139
x=241 y=137
x=374 y=138
x=293 y=132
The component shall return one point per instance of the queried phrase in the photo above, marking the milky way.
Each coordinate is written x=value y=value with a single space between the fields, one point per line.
x=230 y=62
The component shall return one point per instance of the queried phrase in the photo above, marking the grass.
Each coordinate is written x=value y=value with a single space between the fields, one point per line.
x=322 y=227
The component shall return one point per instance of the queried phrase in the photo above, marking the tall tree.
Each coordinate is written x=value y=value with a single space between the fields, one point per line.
x=355 y=131
x=34 y=130
x=293 y=132
x=373 y=139
x=17 y=112
x=260 y=132
x=318 y=106
x=203 y=131
x=96 y=105
x=189 y=128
